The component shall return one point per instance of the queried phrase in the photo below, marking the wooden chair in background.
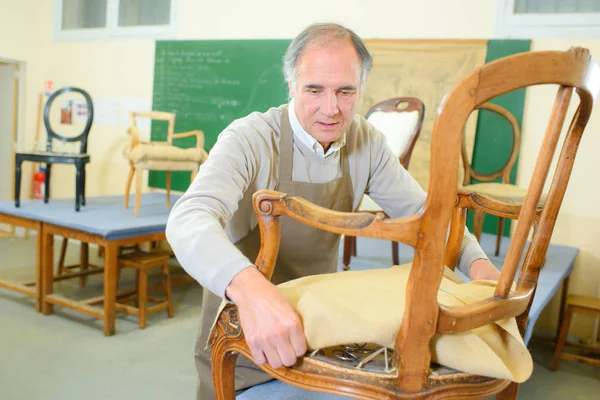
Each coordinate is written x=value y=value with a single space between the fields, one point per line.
x=160 y=156
x=400 y=119
x=412 y=375
x=504 y=190
x=585 y=305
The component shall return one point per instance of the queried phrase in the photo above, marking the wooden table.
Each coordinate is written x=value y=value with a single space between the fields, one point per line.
x=104 y=222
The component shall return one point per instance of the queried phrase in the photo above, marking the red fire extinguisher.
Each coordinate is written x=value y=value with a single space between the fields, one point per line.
x=39 y=183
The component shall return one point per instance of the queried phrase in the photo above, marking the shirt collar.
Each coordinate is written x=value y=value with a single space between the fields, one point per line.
x=308 y=139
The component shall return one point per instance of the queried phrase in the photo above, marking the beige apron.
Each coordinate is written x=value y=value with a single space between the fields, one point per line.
x=304 y=251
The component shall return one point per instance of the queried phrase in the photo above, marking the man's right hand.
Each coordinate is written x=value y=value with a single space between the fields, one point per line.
x=271 y=326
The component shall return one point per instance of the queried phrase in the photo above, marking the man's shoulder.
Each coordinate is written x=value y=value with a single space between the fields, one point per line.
x=262 y=123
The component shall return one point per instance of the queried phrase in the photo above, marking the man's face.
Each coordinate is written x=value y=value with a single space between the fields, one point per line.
x=327 y=90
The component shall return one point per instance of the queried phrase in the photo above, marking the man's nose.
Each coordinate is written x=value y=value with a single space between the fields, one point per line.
x=329 y=107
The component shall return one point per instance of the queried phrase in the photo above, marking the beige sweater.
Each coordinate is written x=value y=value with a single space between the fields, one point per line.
x=216 y=210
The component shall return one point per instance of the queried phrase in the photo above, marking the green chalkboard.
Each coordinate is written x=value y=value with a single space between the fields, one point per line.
x=209 y=84
x=493 y=140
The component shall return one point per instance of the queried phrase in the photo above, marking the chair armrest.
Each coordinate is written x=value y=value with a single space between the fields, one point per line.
x=199 y=137
x=491 y=206
x=475 y=201
x=492 y=309
x=269 y=205
x=135 y=138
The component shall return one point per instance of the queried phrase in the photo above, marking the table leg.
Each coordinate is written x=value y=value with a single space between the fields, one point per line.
x=39 y=281
x=83 y=262
x=47 y=269
x=110 y=286
x=563 y=305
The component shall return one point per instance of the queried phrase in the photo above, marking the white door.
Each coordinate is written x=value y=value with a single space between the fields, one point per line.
x=8 y=110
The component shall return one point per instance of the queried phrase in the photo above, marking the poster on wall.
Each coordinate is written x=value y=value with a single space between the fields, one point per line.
x=66 y=113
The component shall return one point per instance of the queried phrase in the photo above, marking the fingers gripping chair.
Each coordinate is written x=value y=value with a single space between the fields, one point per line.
x=400 y=119
x=412 y=374
x=162 y=156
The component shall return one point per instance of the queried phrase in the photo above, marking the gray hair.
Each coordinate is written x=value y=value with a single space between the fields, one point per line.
x=324 y=33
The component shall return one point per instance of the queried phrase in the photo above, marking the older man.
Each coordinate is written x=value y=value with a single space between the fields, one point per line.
x=315 y=147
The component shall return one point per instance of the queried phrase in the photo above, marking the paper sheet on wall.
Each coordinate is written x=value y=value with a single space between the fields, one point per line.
x=426 y=69
x=113 y=112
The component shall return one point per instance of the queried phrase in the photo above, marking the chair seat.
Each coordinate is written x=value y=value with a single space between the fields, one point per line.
x=358 y=363
x=334 y=316
x=503 y=192
x=592 y=303
x=163 y=152
x=144 y=260
x=368 y=204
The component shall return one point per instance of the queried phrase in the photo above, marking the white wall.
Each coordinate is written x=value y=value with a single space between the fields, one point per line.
x=124 y=70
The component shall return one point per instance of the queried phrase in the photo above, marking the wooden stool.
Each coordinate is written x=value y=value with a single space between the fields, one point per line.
x=583 y=305
x=143 y=262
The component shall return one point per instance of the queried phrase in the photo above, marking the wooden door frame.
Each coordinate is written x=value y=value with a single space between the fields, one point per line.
x=16 y=122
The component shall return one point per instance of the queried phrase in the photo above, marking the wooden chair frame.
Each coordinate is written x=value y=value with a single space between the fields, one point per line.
x=413 y=376
x=397 y=104
x=135 y=140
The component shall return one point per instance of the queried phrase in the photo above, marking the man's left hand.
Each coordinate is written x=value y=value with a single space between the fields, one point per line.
x=483 y=269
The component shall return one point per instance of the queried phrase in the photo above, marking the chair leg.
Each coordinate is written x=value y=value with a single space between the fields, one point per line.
x=168 y=187
x=354 y=246
x=395 y=253
x=83 y=185
x=78 y=188
x=18 y=183
x=142 y=296
x=499 y=235
x=223 y=371
x=478 y=216
x=61 y=260
x=562 y=338
x=138 y=191
x=347 y=252
x=128 y=185
x=168 y=292
x=47 y=183
x=510 y=393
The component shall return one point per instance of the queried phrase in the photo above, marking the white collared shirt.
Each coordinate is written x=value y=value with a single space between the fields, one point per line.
x=308 y=139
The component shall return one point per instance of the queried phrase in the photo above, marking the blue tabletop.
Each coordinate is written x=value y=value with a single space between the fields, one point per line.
x=104 y=216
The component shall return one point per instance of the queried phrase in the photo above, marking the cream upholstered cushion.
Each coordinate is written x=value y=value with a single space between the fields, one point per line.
x=164 y=154
x=372 y=313
x=504 y=192
x=397 y=127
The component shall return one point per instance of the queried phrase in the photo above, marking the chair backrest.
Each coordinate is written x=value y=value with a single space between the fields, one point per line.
x=156 y=115
x=572 y=70
x=504 y=171
x=400 y=119
x=52 y=134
